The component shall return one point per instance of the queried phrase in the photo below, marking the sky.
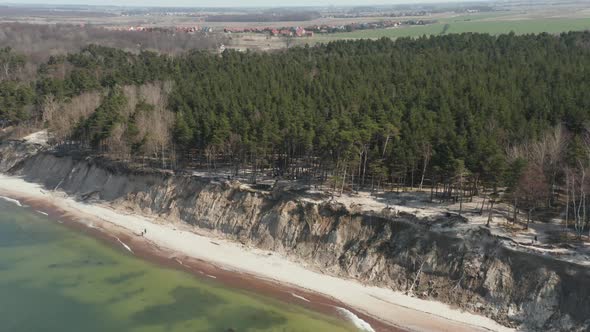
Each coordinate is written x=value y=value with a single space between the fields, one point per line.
x=227 y=3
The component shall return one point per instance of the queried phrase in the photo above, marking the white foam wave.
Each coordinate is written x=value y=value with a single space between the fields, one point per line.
x=124 y=245
x=300 y=297
x=210 y=276
x=11 y=200
x=41 y=212
x=356 y=320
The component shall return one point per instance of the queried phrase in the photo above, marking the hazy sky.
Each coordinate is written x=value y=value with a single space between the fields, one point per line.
x=226 y=3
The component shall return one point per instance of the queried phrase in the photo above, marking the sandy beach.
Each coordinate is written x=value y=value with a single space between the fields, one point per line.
x=179 y=245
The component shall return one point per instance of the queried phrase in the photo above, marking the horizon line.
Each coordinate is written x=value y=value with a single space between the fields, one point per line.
x=426 y=2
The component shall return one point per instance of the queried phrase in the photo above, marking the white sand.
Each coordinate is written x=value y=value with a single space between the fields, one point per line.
x=383 y=304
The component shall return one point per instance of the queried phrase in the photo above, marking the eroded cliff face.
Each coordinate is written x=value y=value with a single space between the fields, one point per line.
x=471 y=269
x=15 y=152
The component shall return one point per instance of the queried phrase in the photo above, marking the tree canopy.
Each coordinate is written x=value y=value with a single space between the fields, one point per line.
x=402 y=108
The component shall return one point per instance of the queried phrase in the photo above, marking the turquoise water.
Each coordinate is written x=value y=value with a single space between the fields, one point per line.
x=53 y=279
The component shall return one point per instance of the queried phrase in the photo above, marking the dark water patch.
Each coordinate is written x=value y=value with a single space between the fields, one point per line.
x=247 y=318
x=189 y=303
x=9 y=263
x=13 y=234
x=37 y=309
x=80 y=264
x=126 y=295
x=124 y=277
x=22 y=227
x=64 y=283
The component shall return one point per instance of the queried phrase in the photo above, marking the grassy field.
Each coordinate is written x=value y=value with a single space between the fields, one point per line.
x=482 y=23
x=521 y=27
x=476 y=17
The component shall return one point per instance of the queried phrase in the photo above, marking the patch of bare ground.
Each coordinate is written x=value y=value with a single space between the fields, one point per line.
x=545 y=234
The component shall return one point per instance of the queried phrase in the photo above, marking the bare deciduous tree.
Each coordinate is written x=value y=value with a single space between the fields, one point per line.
x=116 y=142
x=532 y=189
x=155 y=126
x=62 y=118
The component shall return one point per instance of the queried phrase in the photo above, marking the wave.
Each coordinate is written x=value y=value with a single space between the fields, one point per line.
x=124 y=245
x=356 y=320
x=41 y=212
x=210 y=276
x=11 y=200
x=300 y=297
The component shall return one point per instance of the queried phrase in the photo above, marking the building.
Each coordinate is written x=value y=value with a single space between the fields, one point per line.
x=299 y=31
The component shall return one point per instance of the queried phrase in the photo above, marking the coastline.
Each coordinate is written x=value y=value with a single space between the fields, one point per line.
x=180 y=246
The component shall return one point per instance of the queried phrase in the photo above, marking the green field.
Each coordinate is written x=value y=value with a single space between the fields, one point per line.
x=482 y=23
x=476 y=17
x=521 y=27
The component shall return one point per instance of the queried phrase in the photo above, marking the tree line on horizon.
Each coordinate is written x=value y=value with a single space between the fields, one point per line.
x=456 y=112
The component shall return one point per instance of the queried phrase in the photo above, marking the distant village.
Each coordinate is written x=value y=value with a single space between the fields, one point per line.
x=325 y=29
x=181 y=29
x=295 y=31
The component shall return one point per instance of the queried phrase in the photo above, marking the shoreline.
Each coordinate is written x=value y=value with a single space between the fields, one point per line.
x=141 y=248
x=180 y=246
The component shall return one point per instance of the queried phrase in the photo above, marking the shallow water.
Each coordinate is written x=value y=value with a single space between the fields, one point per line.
x=53 y=279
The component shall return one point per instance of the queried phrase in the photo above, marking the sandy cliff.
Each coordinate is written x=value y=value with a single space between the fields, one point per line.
x=470 y=269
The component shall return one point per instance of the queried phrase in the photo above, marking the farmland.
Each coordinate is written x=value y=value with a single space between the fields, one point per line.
x=242 y=29
x=484 y=23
